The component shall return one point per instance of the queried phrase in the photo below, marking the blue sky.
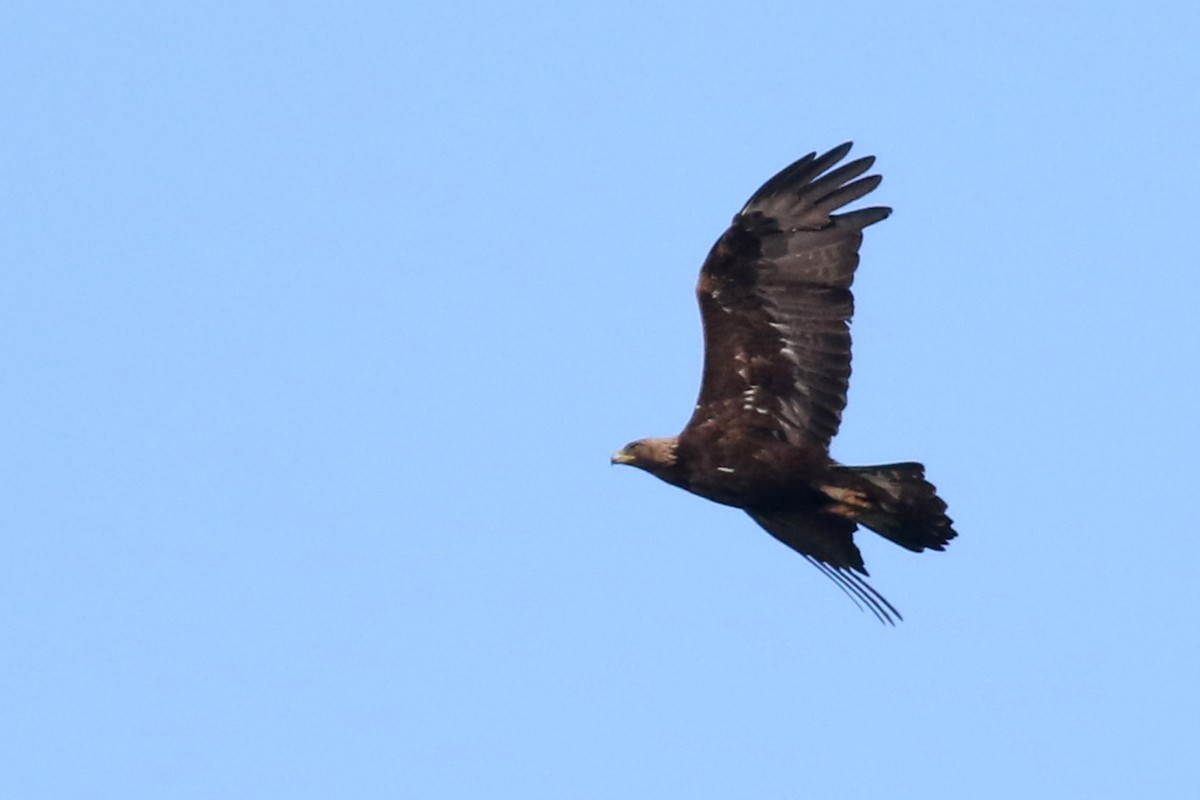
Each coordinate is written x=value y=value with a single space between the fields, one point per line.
x=320 y=323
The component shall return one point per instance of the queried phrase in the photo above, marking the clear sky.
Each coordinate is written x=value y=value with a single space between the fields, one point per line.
x=319 y=323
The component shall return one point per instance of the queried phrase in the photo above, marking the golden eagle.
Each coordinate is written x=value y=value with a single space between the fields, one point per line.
x=775 y=301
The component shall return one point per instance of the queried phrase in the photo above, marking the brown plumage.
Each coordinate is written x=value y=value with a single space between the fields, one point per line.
x=775 y=300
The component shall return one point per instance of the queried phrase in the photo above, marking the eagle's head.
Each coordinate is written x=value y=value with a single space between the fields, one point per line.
x=656 y=456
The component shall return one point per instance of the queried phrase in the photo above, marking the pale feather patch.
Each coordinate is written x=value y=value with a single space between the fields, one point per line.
x=849 y=497
x=751 y=400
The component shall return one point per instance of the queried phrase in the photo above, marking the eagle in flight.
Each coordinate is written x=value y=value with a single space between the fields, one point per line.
x=776 y=305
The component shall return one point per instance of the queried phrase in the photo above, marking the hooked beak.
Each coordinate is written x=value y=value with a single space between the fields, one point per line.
x=621 y=457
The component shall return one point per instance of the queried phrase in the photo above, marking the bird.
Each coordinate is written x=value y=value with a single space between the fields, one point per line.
x=776 y=304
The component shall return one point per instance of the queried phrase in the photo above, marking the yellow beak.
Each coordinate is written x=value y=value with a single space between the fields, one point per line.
x=621 y=457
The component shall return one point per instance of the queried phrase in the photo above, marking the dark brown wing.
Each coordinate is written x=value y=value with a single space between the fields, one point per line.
x=776 y=305
x=827 y=541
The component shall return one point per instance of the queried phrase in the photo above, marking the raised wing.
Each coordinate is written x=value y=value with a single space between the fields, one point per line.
x=775 y=300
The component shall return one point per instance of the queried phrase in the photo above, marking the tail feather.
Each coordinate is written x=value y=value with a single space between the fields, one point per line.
x=895 y=501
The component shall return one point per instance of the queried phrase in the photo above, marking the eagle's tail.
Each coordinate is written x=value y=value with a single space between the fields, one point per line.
x=895 y=501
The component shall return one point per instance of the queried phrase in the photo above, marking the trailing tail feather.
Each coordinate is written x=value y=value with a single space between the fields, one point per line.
x=895 y=501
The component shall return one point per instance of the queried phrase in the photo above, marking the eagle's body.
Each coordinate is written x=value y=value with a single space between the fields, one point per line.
x=775 y=300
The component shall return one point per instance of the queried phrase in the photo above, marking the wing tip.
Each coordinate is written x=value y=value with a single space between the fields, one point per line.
x=860 y=592
x=841 y=151
x=864 y=217
x=815 y=176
